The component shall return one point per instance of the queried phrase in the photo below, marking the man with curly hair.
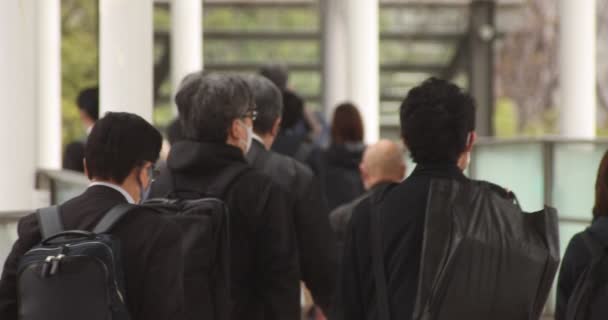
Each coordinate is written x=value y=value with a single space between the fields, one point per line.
x=438 y=127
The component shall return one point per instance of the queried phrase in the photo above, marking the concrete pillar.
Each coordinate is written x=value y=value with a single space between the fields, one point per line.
x=351 y=59
x=186 y=40
x=48 y=59
x=18 y=119
x=126 y=57
x=577 y=68
x=335 y=54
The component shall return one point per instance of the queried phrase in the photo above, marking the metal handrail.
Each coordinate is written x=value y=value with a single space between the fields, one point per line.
x=12 y=216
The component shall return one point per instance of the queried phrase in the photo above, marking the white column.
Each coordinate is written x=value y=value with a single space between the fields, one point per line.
x=363 y=38
x=17 y=110
x=335 y=54
x=351 y=59
x=186 y=40
x=49 y=83
x=577 y=68
x=126 y=56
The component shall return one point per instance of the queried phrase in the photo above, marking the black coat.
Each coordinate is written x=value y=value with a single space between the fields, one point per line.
x=152 y=259
x=265 y=277
x=340 y=217
x=316 y=244
x=403 y=211
x=73 y=156
x=340 y=176
x=576 y=259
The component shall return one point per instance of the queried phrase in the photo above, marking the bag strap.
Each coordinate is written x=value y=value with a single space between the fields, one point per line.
x=378 y=260
x=49 y=220
x=112 y=217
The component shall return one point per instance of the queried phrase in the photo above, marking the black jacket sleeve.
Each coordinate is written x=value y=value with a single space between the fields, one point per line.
x=349 y=304
x=574 y=263
x=318 y=258
x=277 y=261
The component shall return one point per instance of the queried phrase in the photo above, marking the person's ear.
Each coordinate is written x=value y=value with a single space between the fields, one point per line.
x=234 y=132
x=276 y=127
x=472 y=138
x=363 y=171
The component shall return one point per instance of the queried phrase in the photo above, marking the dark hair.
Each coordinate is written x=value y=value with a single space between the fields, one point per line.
x=277 y=73
x=293 y=110
x=269 y=103
x=347 y=125
x=118 y=143
x=174 y=132
x=436 y=118
x=88 y=101
x=209 y=103
x=600 y=207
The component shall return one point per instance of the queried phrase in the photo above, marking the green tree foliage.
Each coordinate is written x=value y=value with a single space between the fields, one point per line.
x=79 y=67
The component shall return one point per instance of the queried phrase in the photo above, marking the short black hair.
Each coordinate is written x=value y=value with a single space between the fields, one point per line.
x=118 y=143
x=277 y=73
x=269 y=103
x=88 y=101
x=436 y=118
x=208 y=103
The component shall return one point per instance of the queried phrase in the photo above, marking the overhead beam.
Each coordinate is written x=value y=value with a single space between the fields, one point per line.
x=315 y=35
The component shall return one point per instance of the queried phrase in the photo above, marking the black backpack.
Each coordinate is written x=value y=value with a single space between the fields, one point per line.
x=589 y=300
x=73 y=274
x=205 y=224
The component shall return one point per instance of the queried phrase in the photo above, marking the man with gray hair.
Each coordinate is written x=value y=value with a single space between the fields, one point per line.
x=382 y=164
x=316 y=244
x=217 y=114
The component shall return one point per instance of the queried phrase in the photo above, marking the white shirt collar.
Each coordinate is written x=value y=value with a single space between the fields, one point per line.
x=115 y=187
x=258 y=138
x=89 y=129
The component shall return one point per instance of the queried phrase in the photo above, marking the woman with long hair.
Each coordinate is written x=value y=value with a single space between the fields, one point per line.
x=579 y=256
x=340 y=162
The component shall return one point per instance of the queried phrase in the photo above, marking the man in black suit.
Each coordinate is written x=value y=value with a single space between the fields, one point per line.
x=382 y=165
x=217 y=113
x=88 y=106
x=120 y=156
x=310 y=214
x=438 y=127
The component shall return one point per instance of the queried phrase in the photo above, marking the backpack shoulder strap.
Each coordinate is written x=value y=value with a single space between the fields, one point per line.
x=378 y=258
x=594 y=246
x=112 y=217
x=49 y=220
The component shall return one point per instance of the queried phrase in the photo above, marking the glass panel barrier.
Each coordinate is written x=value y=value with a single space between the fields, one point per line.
x=575 y=170
x=515 y=166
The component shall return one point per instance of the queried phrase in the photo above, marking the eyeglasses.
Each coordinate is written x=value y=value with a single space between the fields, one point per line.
x=253 y=114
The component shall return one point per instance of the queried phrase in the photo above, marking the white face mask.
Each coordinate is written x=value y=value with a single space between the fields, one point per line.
x=249 y=139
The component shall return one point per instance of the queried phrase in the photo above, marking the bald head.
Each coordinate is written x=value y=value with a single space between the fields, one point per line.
x=382 y=162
